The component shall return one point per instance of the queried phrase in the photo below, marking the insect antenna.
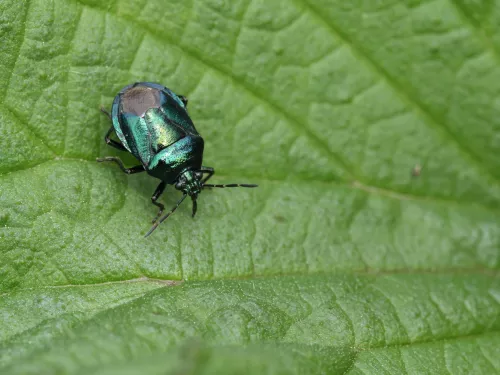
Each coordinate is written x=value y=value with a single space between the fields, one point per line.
x=166 y=216
x=230 y=185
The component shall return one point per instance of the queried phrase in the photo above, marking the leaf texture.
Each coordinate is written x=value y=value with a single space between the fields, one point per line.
x=370 y=247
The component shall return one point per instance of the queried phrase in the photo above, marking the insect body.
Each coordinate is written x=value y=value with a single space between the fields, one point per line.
x=152 y=124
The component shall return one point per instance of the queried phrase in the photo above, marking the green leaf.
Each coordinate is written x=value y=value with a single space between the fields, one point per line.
x=370 y=247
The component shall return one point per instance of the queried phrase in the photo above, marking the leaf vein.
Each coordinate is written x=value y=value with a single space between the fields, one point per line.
x=476 y=29
x=22 y=38
x=299 y=127
x=419 y=108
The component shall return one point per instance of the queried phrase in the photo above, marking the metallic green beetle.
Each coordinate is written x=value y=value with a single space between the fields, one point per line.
x=152 y=124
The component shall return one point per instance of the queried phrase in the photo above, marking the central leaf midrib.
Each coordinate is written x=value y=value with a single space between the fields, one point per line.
x=180 y=282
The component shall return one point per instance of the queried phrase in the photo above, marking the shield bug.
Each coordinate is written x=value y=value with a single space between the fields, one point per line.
x=152 y=123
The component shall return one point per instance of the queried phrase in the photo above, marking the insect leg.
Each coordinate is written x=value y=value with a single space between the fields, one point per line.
x=112 y=142
x=210 y=171
x=107 y=138
x=103 y=110
x=183 y=99
x=159 y=191
x=155 y=225
x=132 y=170
x=195 y=206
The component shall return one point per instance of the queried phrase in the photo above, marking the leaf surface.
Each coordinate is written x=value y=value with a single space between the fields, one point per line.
x=370 y=247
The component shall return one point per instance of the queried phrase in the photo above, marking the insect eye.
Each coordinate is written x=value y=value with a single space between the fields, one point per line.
x=198 y=175
x=179 y=185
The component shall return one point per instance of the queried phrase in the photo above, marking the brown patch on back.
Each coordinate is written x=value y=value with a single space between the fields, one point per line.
x=138 y=100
